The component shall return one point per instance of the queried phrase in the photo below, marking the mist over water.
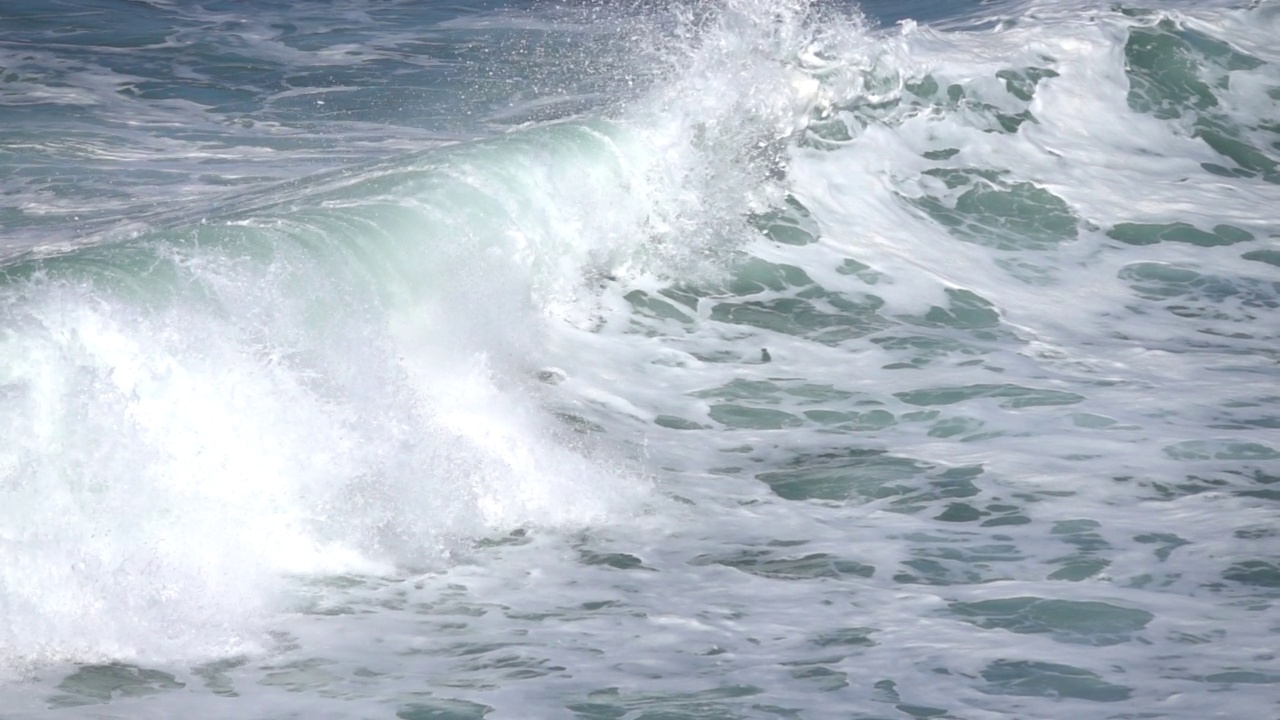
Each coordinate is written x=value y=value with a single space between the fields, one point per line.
x=699 y=360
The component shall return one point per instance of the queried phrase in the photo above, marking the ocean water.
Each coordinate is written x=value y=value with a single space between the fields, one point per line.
x=685 y=359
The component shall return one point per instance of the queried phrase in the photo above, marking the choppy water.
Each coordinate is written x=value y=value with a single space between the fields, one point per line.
x=722 y=359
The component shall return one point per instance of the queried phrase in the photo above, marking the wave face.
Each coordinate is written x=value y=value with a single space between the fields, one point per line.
x=686 y=359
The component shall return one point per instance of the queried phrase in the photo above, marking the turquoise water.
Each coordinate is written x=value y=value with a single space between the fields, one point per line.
x=731 y=359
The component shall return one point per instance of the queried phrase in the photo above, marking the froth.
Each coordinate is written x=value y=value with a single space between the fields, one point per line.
x=176 y=451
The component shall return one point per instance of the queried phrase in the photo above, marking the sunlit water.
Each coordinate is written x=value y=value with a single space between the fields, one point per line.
x=733 y=359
